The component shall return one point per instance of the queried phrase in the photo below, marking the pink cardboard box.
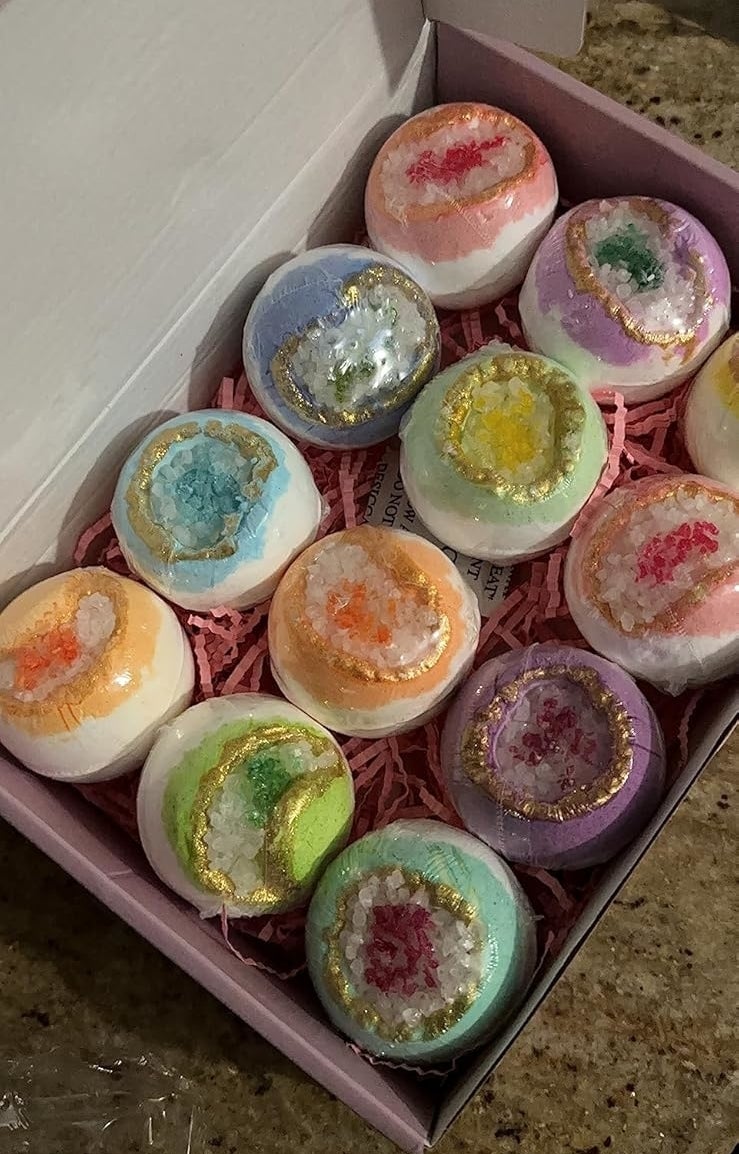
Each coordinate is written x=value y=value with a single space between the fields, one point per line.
x=599 y=148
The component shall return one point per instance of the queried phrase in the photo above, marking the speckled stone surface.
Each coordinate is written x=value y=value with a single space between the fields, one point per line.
x=632 y=1053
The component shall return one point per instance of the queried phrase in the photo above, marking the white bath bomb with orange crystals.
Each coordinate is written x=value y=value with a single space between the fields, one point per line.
x=91 y=664
x=371 y=630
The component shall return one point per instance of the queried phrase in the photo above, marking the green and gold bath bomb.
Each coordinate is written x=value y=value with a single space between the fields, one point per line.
x=242 y=802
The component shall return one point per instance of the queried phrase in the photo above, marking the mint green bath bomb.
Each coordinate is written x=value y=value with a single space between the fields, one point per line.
x=420 y=942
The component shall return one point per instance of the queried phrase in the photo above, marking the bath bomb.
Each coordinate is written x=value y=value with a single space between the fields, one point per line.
x=500 y=452
x=91 y=664
x=371 y=630
x=337 y=344
x=461 y=195
x=242 y=801
x=711 y=420
x=628 y=293
x=420 y=942
x=212 y=507
x=553 y=757
x=652 y=580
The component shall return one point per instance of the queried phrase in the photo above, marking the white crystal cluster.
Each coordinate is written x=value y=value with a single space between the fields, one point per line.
x=499 y=164
x=456 y=946
x=233 y=843
x=93 y=626
x=674 y=306
x=634 y=601
x=362 y=359
x=344 y=575
x=559 y=758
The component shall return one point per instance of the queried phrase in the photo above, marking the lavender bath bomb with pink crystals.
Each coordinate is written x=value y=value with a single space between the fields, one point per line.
x=553 y=757
x=628 y=293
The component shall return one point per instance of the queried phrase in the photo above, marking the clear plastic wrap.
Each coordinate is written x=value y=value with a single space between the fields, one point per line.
x=629 y=293
x=91 y=664
x=711 y=418
x=371 y=630
x=500 y=453
x=420 y=942
x=59 y=1103
x=553 y=757
x=211 y=508
x=336 y=345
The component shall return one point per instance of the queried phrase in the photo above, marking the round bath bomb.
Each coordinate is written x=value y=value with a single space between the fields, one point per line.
x=91 y=664
x=652 y=580
x=628 y=293
x=241 y=803
x=500 y=452
x=337 y=344
x=553 y=757
x=711 y=421
x=420 y=941
x=370 y=631
x=212 y=507
x=461 y=195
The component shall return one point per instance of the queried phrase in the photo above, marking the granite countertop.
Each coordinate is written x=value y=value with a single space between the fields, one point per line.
x=632 y=1053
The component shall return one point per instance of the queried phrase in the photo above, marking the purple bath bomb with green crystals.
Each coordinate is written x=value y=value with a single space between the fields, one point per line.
x=628 y=293
x=553 y=757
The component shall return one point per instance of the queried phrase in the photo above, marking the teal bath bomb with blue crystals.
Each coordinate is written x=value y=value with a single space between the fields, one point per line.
x=212 y=507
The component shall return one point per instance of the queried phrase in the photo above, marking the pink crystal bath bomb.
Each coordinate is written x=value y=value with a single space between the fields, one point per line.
x=461 y=195
x=553 y=757
x=652 y=580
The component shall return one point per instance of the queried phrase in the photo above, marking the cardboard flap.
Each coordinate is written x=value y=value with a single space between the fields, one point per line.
x=539 y=24
x=146 y=148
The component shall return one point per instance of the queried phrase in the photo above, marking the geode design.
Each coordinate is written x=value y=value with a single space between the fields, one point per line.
x=371 y=629
x=419 y=941
x=630 y=294
x=652 y=580
x=500 y=452
x=553 y=757
x=211 y=507
x=241 y=804
x=337 y=344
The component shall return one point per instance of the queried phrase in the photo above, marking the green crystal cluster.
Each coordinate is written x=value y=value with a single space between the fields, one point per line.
x=628 y=248
x=266 y=777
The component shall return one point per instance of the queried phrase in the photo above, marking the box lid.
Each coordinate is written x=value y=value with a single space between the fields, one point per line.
x=539 y=24
x=159 y=160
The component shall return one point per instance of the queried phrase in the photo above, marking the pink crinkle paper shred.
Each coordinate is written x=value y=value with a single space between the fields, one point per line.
x=400 y=777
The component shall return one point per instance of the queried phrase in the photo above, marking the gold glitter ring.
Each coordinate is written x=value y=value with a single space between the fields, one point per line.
x=352 y=290
x=66 y=698
x=234 y=753
x=251 y=446
x=428 y=125
x=476 y=748
x=367 y=1016
x=615 y=523
x=587 y=281
x=405 y=573
x=569 y=416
